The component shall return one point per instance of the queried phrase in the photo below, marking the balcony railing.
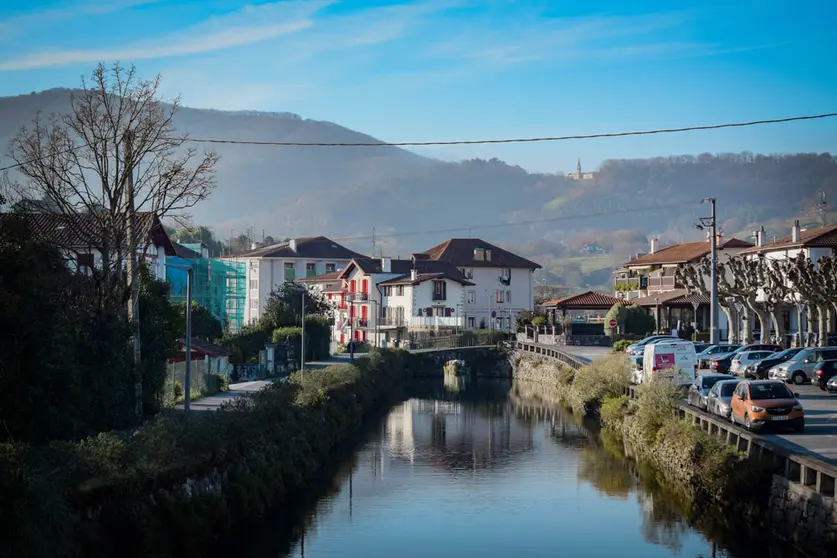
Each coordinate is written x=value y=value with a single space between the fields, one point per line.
x=632 y=282
x=661 y=283
x=358 y=296
x=439 y=297
x=435 y=321
x=391 y=321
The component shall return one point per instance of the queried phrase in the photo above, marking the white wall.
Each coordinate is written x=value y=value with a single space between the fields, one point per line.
x=486 y=284
x=423 y=297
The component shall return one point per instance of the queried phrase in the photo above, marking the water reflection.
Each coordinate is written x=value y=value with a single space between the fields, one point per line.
x=481 y=470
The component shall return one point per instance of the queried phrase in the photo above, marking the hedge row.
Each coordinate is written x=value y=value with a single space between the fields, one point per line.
x=178 y=484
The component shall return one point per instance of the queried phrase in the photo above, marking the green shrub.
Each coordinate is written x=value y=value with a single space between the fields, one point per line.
x=655 y=406
x=606 y=376
x=538 y=321
x=613 y=411
x=638 y=320
x=621 y=346
x=616 y=312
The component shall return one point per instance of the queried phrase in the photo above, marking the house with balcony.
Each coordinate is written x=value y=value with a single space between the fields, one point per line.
x=385 y=298
x=648 y=280
x=298 y=258
x=501 y=286
x=80 y=239
x=813 y=243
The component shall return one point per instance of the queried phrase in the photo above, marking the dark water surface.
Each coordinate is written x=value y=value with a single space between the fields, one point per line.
x=479 y=473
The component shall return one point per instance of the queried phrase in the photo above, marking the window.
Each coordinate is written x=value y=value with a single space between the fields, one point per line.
x=85 y=263
x=254 y=303
x=467 y=272
x=254 y=265
x=388 y=290
x=310 y=270
x=254 y=284
x=290 y=271
x=472 y=297
x=399 y=290
x=331 y=268
x=439 y=290
x=472 y=322
x=499 y=297
x=508 y=297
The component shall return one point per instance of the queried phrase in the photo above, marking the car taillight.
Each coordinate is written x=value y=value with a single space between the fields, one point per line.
x=819 y=372
x=715 y=364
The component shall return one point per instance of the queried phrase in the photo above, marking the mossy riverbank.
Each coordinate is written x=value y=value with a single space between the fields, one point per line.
x=178 y=485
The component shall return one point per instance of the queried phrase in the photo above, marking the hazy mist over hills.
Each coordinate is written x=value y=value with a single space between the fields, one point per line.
x=345 y=191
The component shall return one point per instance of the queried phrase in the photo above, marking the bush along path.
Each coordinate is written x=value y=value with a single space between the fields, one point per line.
x=178 y=485
x=710 y=474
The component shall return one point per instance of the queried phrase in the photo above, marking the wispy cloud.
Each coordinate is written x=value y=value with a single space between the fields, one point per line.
x=20 y=24
x=249 y=25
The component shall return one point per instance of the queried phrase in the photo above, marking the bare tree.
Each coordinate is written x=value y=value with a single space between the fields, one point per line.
x=696 y=278
x=744 y=279
x=113 y=155
x=812 y=288
x=776 y=291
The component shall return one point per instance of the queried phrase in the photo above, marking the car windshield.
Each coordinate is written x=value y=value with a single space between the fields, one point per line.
x=709 y=381
x=787 y=353
x=769 y=391
x=727 y=389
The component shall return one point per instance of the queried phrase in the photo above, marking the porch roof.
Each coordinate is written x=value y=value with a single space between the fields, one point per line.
x=585 y=301
x=676 y=297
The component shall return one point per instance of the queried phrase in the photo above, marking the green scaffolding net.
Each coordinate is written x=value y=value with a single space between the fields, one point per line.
x=217 y=285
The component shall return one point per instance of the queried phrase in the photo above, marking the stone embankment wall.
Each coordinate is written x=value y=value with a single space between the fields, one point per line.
x=797 y=512
x=481 y=362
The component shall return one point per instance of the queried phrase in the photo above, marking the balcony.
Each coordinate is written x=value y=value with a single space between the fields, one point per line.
x=626 y=283
x=433 y=322
x=661 y=283
x=437 y=297
x=360 y=323
x=358 y=296
x=391 y=321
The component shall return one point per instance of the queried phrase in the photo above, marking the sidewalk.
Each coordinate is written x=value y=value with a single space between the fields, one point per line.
x=214 y=402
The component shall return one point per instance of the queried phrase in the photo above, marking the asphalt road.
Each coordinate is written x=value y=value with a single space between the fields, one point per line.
x=820 y=437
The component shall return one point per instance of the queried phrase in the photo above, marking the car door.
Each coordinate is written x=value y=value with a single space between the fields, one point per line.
x=738 y=404
x=712 y=397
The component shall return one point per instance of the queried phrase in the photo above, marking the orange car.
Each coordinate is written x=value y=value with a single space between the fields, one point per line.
x=759 y=403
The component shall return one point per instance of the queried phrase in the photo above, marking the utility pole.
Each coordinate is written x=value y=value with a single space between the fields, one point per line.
x=373 y=242
x=187 y=379
x=712 y=223
x=302 y=335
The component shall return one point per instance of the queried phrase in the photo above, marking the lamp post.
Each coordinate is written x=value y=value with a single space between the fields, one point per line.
x=657 y=313
x=187 y=349
x=712 y=223
x=301 y=290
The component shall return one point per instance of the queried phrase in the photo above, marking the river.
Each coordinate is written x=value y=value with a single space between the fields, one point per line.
x=480 y=473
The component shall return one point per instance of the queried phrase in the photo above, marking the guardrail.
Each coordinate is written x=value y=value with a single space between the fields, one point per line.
x=805 y=470
x=551 y=352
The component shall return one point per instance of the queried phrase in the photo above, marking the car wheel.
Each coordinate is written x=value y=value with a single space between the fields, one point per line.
x=798 y=378
x=747 y=424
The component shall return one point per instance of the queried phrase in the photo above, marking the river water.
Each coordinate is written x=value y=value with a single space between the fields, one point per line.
x=481 y=473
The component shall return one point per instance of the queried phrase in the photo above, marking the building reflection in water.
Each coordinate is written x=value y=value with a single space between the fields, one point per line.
x=455 y=436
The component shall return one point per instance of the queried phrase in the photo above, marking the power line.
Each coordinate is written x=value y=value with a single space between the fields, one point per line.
x=481 y=142
x=519 y=223
x=514 y=140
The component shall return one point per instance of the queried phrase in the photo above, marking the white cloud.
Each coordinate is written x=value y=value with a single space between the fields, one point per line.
x=20 y=24
x=249 y=25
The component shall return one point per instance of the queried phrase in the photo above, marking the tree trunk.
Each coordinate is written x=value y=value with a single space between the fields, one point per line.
x=822 y=325
x=132 y=269
x=746 y=336
x=811 y=323
x=779 y=326
x=732 y=324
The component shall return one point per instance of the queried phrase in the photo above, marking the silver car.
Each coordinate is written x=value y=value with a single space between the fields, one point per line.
x=800 y=368
x=700 y=388
x=719 y=399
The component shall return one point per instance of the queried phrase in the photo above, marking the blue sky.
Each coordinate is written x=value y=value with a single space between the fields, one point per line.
x=440 y=70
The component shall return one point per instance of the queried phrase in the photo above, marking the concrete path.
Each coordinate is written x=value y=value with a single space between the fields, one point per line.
x=585 y=353
x=214 y=402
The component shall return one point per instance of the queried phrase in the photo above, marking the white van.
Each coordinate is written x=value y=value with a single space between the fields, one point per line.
x=675 y=360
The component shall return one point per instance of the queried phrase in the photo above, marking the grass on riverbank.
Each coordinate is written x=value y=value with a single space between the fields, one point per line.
x=177 y=484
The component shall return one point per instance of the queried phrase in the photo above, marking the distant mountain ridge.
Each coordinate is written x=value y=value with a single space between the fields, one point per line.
x=346 y=191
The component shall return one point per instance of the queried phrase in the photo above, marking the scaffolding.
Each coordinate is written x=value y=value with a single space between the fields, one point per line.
x=217 y=285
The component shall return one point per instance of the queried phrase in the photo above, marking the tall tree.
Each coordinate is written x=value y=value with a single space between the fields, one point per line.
x=805 y=277
x=748 y=276
x=114 y=154
x=696 y=277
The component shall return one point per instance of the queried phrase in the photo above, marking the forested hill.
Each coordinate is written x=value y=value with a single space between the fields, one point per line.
x=346 y=191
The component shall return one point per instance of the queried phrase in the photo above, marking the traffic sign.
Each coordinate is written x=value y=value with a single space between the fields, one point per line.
x=612 y=322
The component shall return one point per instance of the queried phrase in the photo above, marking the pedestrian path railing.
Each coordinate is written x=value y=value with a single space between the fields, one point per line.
x=550 y=351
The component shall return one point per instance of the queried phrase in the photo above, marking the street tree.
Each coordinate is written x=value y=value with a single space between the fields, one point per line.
x=284 y=304
x=696 y=277
x=811 y=288
x=777 y=291
x=748 y=275
x=114 y=154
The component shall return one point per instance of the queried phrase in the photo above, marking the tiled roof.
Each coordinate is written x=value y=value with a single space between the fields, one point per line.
x=309 y=247
x=585 y=301
x=403 y=267
x=324 y=278
x=822 y=237
x=685 y=252
x=460 y=252
x=84 y=229
x=202 y=347
x=422 y=277
x=672 y=297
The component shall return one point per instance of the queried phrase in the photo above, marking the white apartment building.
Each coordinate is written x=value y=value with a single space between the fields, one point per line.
x=298 y=258
x=501 y=282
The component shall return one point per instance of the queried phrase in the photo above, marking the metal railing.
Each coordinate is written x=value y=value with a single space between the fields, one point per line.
x=551 y=352
x=661 y=283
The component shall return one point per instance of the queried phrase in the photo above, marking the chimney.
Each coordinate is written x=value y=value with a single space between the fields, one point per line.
x=654 y=245
x=795 y=232
x=761 y=237
x=386 y=265
x=254 y=245
x=292 y=244
x=413 y=274
x=488 y=255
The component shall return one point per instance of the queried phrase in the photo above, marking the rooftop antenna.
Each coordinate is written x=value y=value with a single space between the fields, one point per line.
x=373 y=242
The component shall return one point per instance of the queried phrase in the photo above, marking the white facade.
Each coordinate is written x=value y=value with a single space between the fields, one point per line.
x=264 y=274
x=155 y=256
x=422 y=306
x=500 y=291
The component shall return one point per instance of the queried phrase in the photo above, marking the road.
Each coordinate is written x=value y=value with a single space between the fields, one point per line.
x=587 y=353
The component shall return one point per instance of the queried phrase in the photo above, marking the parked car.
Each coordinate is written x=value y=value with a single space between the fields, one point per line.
x=758 y=403
x=741 y=361
x=639 y=348
x=831 y=385
x=714 y=350
x=824 y=371
x=759 y=347
x=800 y=368
x=719 y=399
x=758 y=370
x=721 y=363
x=699 y=390
x=700 y=347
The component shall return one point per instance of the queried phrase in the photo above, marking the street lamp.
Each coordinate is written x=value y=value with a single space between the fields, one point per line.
x=301 y=290
x=712 y=223
x=657 y=313
x=187 y=350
